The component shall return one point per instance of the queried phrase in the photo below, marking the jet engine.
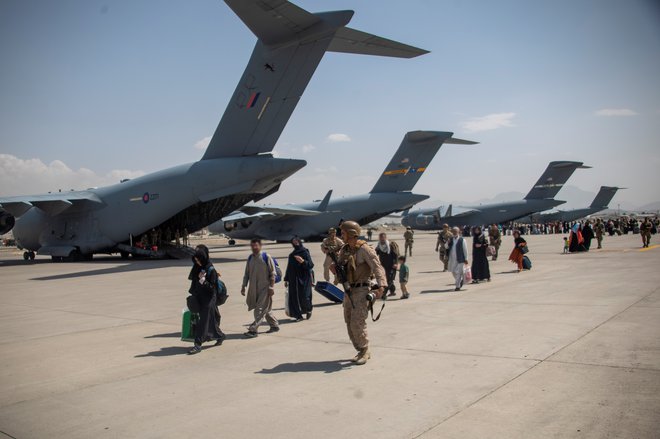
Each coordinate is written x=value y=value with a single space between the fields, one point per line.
x=7 y=222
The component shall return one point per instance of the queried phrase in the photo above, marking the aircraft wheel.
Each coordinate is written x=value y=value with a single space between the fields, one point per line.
x=232 y=242
x=26 y=256
x=32 y=255
x=124 y=255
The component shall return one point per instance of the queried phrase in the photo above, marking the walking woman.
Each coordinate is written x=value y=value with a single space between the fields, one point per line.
x=517 y=253
x=203 y=283
x=480 y=267
x=298 y=279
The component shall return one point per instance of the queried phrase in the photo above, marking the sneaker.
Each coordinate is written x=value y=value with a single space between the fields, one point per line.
x=195 y=350
x=250 y=334
x=405 y=296
x=273 y=329
x=457 y=289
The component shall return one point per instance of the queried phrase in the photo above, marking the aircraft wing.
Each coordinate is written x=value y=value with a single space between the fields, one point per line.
x=251 y=209
x=52 y=204
x=465 y=212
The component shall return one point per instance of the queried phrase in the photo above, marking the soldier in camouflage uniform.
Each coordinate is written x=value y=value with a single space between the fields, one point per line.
x=495 y=238
x=409 y=237
x=361 y=263
x=599 y=228
x=444 y=236
x=330 y=245
x=645 y=230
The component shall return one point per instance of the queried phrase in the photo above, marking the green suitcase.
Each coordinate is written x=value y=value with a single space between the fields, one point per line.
x=188 y=323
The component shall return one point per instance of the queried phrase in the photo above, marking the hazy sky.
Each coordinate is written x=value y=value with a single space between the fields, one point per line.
x=93 y=91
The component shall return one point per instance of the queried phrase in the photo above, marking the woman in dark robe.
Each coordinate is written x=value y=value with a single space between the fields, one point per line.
x=203 y=284
x=298 y=279
x=480 y=267
x=517 y=254
x=587 y=235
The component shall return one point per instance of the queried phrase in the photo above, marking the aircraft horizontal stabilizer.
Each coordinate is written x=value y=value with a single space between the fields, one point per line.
x=349 y=40
x=455 y=141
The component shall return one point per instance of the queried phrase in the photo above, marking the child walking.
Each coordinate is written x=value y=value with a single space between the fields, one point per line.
x=404 y=275
x=566 y=245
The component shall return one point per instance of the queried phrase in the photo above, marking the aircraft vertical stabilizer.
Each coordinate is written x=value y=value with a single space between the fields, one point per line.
x=604 y=196
x=553 y=179
x=416 y=151
x=291 y=43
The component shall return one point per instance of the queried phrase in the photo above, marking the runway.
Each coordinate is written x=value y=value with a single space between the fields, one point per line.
x=570 y=349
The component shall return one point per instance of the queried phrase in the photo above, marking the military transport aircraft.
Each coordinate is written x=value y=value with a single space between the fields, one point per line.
x=237 y=166
x=391 y=193
x=540 y=198
x=600 y=202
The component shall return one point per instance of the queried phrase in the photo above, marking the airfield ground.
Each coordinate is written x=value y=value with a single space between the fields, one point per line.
x=570 y=349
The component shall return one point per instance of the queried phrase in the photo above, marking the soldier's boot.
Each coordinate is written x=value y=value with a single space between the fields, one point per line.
x=362 y=357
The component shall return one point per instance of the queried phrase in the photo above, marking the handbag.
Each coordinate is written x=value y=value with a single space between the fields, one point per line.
x=467 y=274
x=524 y=249
x=490 y=250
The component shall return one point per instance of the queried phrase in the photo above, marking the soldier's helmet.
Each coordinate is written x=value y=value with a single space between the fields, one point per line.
x=332 y=230
x=445 y=226
x=351 y=228
x=408 y=228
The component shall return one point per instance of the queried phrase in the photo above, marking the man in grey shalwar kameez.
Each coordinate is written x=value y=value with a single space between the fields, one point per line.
x=458 y=257
x=260 y=277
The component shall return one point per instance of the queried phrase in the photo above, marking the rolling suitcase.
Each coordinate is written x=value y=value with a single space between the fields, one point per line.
x=527 y=264
x=188 y=322
x=329 y=291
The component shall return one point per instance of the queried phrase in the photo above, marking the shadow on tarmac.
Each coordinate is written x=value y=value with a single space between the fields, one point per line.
x=450 y=290
x=330 y=366
x=125 y=267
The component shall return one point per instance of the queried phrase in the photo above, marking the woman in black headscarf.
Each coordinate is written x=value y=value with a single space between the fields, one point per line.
x=203 y=284
x=480 y=267
x=298 y=279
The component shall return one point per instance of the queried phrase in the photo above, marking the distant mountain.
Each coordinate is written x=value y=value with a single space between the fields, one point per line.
x=651 y=207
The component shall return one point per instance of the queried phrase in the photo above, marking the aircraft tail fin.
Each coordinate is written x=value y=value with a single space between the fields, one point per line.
x=291 y=43
x=553 y=179
x=604 y=196
x=323 y=205
x=416 y=151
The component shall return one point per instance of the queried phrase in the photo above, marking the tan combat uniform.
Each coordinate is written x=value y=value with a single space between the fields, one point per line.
x=444 y=236
x=361 y=263
x=600 y=231
x=645 y=231
x=495 y=238
x=330 y=245
x=408 y=235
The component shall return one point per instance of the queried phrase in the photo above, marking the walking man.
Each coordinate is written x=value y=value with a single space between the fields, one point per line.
x=388 y=256
x=458 y=257
x=329 y=246
x=441 y=245
x=645 y=231
x=260 y=277
x=408 y=236
x=495 y=238
x=360 y=262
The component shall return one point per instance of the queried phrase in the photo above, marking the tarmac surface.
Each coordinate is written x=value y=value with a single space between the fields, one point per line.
x=570 y=349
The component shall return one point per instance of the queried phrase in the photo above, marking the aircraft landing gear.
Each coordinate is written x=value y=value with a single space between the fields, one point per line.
x=124 y=255
x=29 y=256
x=231 y=242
